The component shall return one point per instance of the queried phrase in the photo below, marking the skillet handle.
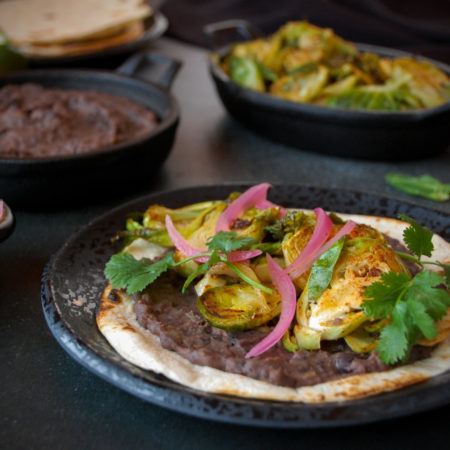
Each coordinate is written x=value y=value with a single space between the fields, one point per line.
x=151 y=67
x=216 y=32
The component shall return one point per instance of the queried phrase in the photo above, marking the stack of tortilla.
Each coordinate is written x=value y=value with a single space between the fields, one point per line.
x=56 y=28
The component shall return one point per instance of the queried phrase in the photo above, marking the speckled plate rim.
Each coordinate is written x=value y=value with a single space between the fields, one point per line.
x=163 y=392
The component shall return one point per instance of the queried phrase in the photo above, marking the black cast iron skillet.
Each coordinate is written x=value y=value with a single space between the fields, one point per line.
x=377 y=135
x=57 y=180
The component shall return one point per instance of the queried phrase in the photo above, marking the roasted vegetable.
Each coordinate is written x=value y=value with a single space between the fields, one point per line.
x=301 y=87
x=389 y=97
x=330 y=303
x=304 y=63
x=246 y=72
x=238 y=306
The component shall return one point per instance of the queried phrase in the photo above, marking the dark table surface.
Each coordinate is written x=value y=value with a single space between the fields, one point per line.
x=48 y=400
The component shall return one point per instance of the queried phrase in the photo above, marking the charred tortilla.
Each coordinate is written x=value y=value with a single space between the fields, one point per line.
x=117 y=321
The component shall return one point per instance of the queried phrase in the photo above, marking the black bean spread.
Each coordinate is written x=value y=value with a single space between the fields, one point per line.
x=174 y=317
x=38 y=122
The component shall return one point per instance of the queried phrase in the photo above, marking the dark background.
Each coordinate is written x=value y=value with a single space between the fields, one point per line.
x=418 y=26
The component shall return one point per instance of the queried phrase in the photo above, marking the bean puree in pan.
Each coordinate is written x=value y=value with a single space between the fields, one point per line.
x=37 y=122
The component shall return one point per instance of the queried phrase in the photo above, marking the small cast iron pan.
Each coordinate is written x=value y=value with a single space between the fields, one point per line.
x=56 y=180
x=376 y=135
x=155 y=26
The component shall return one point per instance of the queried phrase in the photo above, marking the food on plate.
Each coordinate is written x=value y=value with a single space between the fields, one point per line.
x=51 y=28
x=243 y=297
x=304 y=63
x=36 y=121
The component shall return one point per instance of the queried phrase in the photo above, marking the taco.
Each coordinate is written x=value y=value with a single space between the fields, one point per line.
x=244 y=298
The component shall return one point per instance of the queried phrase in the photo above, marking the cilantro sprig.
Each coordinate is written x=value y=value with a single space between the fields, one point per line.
x=412 y=305
x=134 y=275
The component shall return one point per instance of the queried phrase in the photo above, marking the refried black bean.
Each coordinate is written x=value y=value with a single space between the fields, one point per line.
x=175 y=319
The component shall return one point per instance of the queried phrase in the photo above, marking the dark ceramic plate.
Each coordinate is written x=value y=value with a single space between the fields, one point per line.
x=73 y=281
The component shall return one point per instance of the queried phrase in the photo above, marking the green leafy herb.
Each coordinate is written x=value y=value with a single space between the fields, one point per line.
x=134 y=275
x=412 y=305
x=424 y=186
x=382 y=295
x=417 y=238
x=226 y=241
x=125 y=271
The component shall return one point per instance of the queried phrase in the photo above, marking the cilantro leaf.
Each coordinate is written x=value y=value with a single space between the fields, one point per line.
x=226 y=241
x=417 y=238
x=421 y=318
x=382 y=295
x=414 y=305
x=393 y=343
x=423 y=289
x=134 y=275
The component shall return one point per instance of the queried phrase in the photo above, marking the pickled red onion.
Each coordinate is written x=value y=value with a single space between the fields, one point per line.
x=303 y=265
x=254 y=196
x=286 y=289
x=323 y=228
x=189 y=250
x=180 y=243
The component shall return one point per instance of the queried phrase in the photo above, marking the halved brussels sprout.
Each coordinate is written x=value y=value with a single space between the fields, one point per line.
x=151 y=224
x=290 y=342
x=238 y=306
x=301 y=87
x=361 y=341
x=245 y=71
x=254 y=222
x=337 y=312
x=340 y=86
x=388 y=97
x=221 y=275
x=307 y=338
x=425 y=81
x=261 y=268
x=341 y=326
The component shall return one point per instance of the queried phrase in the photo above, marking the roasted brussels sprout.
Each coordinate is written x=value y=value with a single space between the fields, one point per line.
x=331 y=305
x=238 y=306
x=245 y=71
x=304 y=63
x=387 y=97
x=301 y=87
